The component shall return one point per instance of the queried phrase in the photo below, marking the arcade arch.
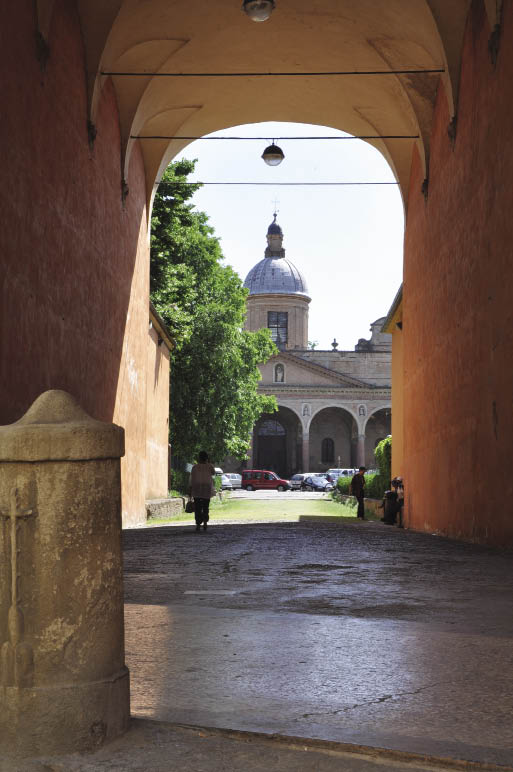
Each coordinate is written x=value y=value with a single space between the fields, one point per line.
x=277 y=442
x=377 y=427
x=334 y=429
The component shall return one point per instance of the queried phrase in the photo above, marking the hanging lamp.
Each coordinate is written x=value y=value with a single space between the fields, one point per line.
x=258 y=10
x=273 y=155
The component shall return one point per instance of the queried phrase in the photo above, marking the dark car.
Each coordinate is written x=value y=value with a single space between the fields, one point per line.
x=316 y=483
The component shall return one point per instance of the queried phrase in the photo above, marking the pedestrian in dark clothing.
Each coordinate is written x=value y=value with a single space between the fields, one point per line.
x=202 y=489
x=389 y=506
x=397 y=482
x=357 y=489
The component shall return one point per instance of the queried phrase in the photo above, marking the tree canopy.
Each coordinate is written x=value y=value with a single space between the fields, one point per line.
x=214 y=401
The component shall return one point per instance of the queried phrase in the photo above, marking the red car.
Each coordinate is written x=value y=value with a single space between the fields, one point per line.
x=261 y=479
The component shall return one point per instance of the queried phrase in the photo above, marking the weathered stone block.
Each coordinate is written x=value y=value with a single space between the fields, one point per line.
x=165 y=507
x=63 y=684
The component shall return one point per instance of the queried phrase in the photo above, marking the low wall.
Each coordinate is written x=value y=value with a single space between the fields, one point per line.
x=164 y=508
x=373 y=505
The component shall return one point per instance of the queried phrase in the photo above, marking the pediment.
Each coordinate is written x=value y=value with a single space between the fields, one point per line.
x=299 y=372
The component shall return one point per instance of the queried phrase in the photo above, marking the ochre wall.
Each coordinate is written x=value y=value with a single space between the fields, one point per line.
x=397 y=393
x=157 y=417
x=458 y=312
x=397 y=405
x=74 y=261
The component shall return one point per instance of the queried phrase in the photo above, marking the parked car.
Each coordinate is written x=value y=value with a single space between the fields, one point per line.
x=316 y=483
x=262 y=479
x=334 y=474
x=296 y=481
x=235 y=478
x=218 y=471
x=226 y=483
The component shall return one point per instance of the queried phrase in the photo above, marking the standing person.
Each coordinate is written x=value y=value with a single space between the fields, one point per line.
x=357 y=489
x=202 y=489
x=400 y=501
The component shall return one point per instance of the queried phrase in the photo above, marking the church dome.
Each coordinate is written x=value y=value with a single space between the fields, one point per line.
x=275 y=275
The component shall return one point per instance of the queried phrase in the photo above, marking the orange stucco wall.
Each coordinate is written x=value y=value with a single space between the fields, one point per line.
x=397 y=392
x=157 y=417
x=397 y=405
x=458 y=313
x=74 y=260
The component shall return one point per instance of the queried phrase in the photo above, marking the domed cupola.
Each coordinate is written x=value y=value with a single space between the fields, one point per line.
x=278 y=296
x=275 y=275
x=274 y=240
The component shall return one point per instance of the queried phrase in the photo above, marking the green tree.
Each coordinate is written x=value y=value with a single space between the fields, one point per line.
x=214 y=401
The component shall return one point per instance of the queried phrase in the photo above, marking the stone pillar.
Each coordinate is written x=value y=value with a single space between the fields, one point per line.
x=360 y=450
x=63 y=682
x=306 y=451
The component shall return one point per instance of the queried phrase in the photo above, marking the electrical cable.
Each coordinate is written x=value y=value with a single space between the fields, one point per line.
x=277 y=139
x=299 y=184
x=413 y=71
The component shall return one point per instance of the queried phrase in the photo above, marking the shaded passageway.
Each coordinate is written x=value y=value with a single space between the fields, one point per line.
x=355 y=633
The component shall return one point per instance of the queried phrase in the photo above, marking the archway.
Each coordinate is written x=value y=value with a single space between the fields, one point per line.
x=379 y=426
x=277 y=442
x=333 y=440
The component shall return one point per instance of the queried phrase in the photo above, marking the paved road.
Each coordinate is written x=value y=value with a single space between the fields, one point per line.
x=356 y=632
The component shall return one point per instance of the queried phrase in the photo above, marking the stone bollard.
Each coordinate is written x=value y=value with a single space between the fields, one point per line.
x=63 y=682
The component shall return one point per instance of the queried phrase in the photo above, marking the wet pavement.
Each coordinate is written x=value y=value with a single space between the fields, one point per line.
x=152 y=746
x=354 y=632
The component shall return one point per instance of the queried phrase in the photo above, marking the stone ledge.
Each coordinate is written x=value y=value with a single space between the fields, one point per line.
x=165 y=507
x=372 y=504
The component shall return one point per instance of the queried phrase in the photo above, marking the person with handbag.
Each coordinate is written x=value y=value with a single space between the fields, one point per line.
x=201 y=489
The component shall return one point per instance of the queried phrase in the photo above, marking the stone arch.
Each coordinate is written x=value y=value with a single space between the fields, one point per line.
x=346 y=408
x=341 y=427
x=277 y=442
x=158 y=36
x=377 y=427
x=371 y=412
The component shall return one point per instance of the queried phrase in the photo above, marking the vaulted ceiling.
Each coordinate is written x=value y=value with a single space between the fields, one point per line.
x=301 y=36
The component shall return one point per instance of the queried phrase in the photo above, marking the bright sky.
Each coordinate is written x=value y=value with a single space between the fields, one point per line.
x=346 y=241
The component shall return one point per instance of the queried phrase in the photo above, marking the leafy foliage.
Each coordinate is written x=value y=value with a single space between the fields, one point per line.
x=214 y=375
x=374 y=488
x=383 y=454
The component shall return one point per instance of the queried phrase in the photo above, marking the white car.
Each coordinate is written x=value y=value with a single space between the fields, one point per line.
x=334 y=474
x=235 y=478
x=226 y=483
x=297 y=480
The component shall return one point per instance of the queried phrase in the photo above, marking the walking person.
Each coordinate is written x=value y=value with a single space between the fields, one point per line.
x=201 y=488
x=400 y=501
x=357 y=489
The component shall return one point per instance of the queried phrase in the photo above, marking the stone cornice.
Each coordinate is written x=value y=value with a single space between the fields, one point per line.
x=279 y=390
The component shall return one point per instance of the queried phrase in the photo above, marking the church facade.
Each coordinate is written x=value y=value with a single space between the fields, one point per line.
x=334 y=406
